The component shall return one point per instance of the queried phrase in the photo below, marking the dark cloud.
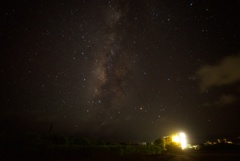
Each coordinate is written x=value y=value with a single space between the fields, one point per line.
x=224 y=100
x=224 y=73
x=227 y=99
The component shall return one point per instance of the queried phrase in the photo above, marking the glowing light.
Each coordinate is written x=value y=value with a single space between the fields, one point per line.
x=183 y=141
x=175 y=138
x=180 y=139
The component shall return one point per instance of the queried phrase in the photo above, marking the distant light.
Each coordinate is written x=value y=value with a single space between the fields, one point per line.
x=183 y=140
x=175 y=138
x=180 y=139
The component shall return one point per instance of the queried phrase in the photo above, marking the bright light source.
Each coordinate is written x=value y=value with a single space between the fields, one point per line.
x=180 y=139
x=183 y=140
x=175 y=138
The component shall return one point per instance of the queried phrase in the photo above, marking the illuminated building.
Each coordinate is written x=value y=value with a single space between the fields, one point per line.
x=179 y=139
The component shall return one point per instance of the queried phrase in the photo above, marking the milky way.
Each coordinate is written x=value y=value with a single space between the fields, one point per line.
x=112 y=65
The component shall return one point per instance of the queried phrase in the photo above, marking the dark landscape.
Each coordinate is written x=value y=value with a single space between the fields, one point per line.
x=40 y=147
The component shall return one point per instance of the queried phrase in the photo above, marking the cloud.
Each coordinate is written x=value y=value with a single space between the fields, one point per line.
x=227 y=99
x=224 y=100
x=224 y=73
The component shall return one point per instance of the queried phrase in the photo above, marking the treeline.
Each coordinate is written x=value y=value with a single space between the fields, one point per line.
x=45 y=145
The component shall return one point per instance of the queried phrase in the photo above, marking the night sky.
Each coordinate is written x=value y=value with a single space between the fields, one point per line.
x=121 y=70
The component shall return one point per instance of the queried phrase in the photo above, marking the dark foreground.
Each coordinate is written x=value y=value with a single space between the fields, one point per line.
x=186 y=156
x=42 y=147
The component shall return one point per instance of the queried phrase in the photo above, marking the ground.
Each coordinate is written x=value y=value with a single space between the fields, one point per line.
x=188 y=156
